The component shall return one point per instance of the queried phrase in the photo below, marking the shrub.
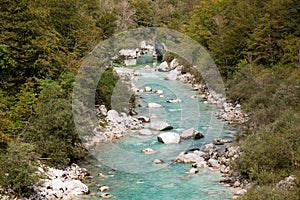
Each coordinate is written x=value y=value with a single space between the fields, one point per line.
x=18 y=167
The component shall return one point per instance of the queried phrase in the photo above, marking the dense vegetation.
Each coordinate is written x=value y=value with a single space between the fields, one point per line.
x=255 y=44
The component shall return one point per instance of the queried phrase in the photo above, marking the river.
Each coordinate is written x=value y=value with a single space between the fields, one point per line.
x=131 y=174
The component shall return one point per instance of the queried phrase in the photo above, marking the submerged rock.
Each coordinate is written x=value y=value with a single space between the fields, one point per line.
x=148 y=151
x=160 y=126
x=145 y=132
x=168 y=138
x=191 y=134
x=157 y=162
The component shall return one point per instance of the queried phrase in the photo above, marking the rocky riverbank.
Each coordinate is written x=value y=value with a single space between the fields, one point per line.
x=57 y=184
x=208 y=155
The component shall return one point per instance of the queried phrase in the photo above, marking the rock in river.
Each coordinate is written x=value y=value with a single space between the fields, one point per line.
x=160 y=126
x=154 y=105
x=169 y=138
x=191 y=134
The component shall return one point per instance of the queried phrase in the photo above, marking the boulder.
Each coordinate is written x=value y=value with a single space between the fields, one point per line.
x=148 y=151
x=191 y=134
x=76 y=187
x=158 y=92
x=213 y=163
x=103 y=110
x=172 y=75
x=143 y=119
x=148 y=89
x=160 y=126
x=174 y=63
x=168 y=138
x=154 y=105
x=163 y=67
x=193 y=171
x=157 y=162
x=112 y=115
x=103 y=188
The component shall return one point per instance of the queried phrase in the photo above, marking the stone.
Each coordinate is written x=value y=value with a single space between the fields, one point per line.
x=106 y=195
x=160 y=126
x=172 y=75
x=174 y=63
x=143 y=119
x=147 y=67
x=154 y=105
x=191 y=134
x=193 y=171
x=177 y=100
x=148 y=151
x=56 y=184
x=145 y=132
x=103 y=188
x=288 y=183
x=157 y=162
x=168 y=138
x=103 y=110
x=213 y=163
x=163 y=67
x=158 y=92
x=220 y=141
x=209 y=148
x=76 y=187
x=112 y=115
x=148 y=89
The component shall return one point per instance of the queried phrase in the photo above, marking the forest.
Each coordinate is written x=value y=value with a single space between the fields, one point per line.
x=254 y=43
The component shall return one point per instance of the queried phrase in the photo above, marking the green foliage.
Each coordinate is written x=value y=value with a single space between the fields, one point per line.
x=53 y=127
x=105 y=88
x=18 y=168
x=270 y=193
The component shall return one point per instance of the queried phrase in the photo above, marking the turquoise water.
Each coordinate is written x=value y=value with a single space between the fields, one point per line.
x=131 y=174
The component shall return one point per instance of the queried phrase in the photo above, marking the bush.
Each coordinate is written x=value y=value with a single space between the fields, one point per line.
x=18 y=168
x=271 y=193
x=106 y=87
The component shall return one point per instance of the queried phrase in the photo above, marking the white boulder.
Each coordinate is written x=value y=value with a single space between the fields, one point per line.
x=168 y=138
